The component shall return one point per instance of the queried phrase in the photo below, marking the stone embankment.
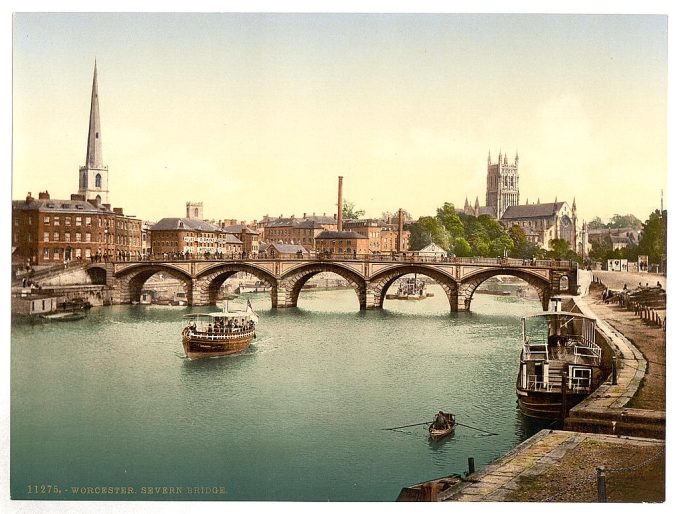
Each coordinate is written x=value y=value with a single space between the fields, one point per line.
x=603 y=431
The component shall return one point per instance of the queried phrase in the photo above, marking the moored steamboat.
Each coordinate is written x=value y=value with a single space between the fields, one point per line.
x=560 y=363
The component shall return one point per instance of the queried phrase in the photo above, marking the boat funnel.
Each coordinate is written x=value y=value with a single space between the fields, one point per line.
x=556 y=304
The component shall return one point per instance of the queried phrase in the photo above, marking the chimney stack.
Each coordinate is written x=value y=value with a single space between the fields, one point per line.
x=400 y=230
x=339 y=204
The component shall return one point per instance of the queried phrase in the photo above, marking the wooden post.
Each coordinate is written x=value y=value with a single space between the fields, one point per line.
x=614 y=372
x=601 y=486
x=471 y=465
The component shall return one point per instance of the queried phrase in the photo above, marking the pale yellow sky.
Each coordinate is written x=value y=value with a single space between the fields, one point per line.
x=258 y=114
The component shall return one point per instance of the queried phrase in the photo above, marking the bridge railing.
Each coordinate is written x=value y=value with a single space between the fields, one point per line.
x=408 y=257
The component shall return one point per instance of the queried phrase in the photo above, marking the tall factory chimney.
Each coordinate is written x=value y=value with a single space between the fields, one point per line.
x=339 y=204
x=400 y=230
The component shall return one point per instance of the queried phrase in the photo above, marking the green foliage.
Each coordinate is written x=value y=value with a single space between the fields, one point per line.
x=428 y=230
x=616 y=221
x=350 y=212
x=653 y=239
x=452 y=223
x=461 y=248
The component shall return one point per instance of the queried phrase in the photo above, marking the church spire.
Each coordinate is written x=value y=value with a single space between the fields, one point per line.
x=94 y=158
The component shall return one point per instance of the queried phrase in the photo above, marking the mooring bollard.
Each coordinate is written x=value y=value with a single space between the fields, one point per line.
x=471 y=465
x=614 y=371
x=601 y=486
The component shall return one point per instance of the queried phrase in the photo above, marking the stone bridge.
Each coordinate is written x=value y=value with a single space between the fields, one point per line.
x=370 y=277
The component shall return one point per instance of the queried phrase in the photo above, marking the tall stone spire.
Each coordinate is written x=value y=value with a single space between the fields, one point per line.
x=93 y=179
x=94 y=158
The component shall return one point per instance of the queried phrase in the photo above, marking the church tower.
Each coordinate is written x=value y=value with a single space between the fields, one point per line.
x=94 y=176
x=502 y=184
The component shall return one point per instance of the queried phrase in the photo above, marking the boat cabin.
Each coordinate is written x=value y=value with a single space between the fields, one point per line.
x=555 y=343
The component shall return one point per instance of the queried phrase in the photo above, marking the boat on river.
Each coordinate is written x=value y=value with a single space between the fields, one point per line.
x=69 y=310
x=410 y=288
x=560 y=362
x=216 y=334
x=443 y=425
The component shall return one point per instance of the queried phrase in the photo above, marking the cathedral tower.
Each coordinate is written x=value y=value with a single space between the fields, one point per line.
x=94 y=176
x=502 y=184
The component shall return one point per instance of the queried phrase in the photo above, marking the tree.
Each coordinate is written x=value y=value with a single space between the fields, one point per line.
x=559 y=249
x=349 y=212
x=520 y=244
x=428 y=230
x=393 y=217
x=461 y=248
x=449 y=218
x=596 y=224
x=501 y=246
x=626 y=221
x=653 y=238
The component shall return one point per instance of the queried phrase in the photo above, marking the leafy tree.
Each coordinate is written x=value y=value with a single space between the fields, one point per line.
x=521 y=248
x=626 y=221
x=350 y=212
x=461 y=248
x=653 y=239
x=393 y=217
x=449 y=218
x=596 y=223
x=501 y=245
x=428 y=230
x=559 y=248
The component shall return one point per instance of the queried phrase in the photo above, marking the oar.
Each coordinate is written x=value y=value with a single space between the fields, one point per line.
x=475 y=428
x=405 y=426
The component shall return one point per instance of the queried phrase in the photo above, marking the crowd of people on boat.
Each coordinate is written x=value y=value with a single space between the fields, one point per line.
x=221 y=328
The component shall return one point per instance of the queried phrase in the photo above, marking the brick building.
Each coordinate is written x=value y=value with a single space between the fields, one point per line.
x=248 y=236
x=382 y=237
x=49 y=231
x=300 y=231
x=347 y=243
x=192 y=238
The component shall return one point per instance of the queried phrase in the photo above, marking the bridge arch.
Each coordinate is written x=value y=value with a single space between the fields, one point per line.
x=97 y=274
x=209 y=281
x=291 y=283
x=131 y=280
x=380 y=283
x=469 y=284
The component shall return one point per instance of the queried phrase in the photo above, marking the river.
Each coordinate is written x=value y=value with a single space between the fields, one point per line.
x=111 y=403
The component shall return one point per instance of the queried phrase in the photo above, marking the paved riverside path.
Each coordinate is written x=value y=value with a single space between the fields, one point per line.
x=560 y=466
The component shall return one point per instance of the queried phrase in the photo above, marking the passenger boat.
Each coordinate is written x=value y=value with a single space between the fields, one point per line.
x=560 y=363
x=440 y=432
x=216 y=334
x=410 y=289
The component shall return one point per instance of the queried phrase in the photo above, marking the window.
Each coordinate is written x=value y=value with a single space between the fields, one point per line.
x=46 y=237
x=56 y=221
x=87 y=253
x=56 y=254
x=55 y=236
x=79 y=221
x=88 y=237
x=67 y=221
x=78 y=253
x=46 y=253
x=97 y=178
x=67 y=237
x=46 y=220
x=88 y=221
x=78 y=237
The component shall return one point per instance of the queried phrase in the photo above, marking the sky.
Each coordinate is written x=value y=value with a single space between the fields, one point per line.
x=257 y=113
